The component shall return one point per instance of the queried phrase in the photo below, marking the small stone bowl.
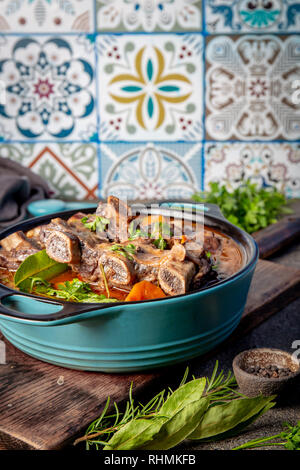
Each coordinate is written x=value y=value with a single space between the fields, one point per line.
x=252 y=385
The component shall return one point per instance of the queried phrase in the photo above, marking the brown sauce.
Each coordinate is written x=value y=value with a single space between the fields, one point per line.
x=228 y=261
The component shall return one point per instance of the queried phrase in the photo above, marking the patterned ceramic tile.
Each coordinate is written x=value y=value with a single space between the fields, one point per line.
x=150 y=171
x=249 y=87
x=257 y=16
x=275 y=164
x=70 y=169
x=150 y=87
x=33 y=16
x=148 y=15
x=50 y=89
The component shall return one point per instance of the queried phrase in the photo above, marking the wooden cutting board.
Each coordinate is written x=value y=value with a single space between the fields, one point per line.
x=38 y=413
x=277 y=236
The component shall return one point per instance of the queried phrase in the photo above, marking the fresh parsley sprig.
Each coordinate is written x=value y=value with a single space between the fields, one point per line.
x=289 y=438
x=248 y=206
x=124 y=250
x=96 y=224
x=73 y=291
x=161 y=231
x=136 y=232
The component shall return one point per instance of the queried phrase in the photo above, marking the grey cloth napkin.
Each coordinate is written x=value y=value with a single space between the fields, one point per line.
x=18 y=187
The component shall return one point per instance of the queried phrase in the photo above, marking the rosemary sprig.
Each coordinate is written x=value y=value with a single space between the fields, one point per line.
x=171 y=416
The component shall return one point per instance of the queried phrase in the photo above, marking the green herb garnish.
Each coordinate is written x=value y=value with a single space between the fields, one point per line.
x=248 y=206
x=124 y=250
x=73 y=291
x=172 y=416
x=160 y=243
x=97 y=224
x=160 y=231
x=289 y=438
x=136 y=232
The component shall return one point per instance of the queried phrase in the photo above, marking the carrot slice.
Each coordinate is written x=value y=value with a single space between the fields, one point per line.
x=183 y=239
x=145 y=290
x=151 y=219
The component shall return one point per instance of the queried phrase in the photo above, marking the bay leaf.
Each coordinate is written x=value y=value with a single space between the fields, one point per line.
x=135 y=433
x=221 y=418
x=184 y=395
x=139 y=432
x=179 y=426
x=39 y=265
x=241 y=426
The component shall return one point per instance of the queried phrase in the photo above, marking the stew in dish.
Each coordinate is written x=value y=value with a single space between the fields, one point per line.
x=114 y=255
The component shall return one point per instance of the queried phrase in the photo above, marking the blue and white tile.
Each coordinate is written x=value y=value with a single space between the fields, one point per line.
x=251 y=87
x=150 y=170
x=256 y=16
x=47 y=16
x=50 y=89
x=150 y=87
x=267 y=164
x=149 y=16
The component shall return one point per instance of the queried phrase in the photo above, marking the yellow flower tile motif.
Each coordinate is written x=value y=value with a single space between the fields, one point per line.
x=151 y=89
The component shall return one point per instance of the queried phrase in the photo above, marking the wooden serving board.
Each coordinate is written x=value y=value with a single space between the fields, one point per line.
x=277 y=236
x=38 y=413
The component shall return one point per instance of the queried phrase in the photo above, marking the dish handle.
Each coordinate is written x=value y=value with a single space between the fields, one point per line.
x=206 y=208
x=54 y=311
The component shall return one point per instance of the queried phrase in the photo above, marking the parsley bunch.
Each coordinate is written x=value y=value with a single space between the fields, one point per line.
x=248 y=206
x=73 y=291
x=96 y=224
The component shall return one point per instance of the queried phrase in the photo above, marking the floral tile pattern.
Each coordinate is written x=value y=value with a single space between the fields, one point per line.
x=250 y=84
x=35 y=16
x=162 y=96
x=150 y=171
x=150 y=86
x=50 y=89
x=145 y=15
x=268 y=164
x=70 y=169
x=256 y=16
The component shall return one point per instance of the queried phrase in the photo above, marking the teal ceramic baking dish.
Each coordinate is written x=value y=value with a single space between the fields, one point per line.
x=130 y=336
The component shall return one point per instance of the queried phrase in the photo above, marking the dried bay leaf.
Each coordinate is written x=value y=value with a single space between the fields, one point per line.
x=184 y=395
x=138 y=433
x=135 y=433
x=179 y=427
x=221 y=418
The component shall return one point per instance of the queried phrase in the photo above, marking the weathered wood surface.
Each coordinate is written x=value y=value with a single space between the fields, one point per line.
x=38 y=413
x=277 y=236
